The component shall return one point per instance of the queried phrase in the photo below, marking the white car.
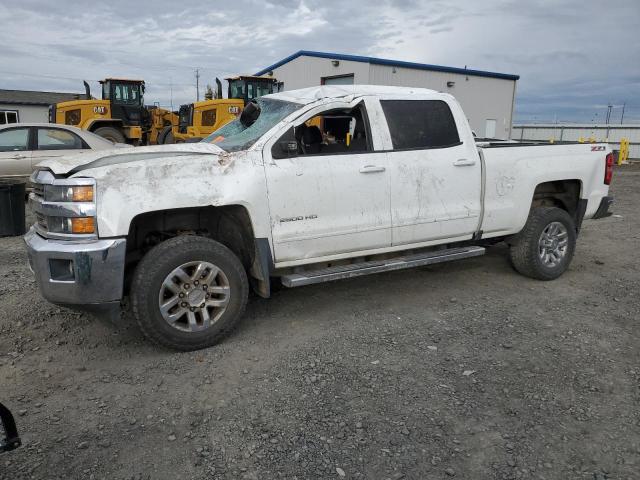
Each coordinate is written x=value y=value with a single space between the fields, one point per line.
x=24 y=145
x=306 y=186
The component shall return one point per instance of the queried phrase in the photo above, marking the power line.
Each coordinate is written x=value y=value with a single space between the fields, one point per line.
x=45 y=76
x=79 y=79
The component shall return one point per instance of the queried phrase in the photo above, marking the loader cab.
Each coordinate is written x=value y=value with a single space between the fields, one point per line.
x=246 y=87
x=126 y=98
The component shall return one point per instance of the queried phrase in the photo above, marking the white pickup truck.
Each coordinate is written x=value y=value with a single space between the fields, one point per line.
x=306 y=186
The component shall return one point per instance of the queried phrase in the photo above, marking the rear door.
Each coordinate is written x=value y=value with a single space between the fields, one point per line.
x=435 y=177
x=15 y=157
x=52 y=142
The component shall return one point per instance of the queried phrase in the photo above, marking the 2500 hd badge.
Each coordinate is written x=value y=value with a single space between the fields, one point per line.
x=297 y=219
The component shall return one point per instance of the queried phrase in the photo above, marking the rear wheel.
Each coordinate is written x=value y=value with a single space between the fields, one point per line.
x=544 y=248
x=189 y=292
x=110 y=133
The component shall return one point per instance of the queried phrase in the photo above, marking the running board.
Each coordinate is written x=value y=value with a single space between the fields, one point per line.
x=377 y=266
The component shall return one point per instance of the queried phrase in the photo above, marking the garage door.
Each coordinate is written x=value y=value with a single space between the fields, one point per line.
x=339 y=80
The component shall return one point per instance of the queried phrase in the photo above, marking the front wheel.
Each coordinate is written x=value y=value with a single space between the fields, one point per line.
x=168 y=138
x=188 y=292
x=163 y=135
x=544 y=248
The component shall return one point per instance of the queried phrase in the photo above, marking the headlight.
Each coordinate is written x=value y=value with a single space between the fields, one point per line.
x=68 y=193
x=77 y=225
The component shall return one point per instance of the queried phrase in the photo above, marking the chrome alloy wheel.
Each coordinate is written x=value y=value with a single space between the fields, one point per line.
x=194 y=296
x=553 y=244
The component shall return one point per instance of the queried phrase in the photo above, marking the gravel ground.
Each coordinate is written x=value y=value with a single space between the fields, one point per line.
x=463 y=370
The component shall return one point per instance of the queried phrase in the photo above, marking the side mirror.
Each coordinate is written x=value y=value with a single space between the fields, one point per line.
x=289 y=147
x=250 y=113
x=9 y=439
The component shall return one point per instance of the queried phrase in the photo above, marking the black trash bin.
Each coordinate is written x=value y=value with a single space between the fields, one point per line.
x=12 y=197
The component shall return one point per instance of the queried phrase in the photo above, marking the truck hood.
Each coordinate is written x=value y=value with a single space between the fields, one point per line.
x=100 y=158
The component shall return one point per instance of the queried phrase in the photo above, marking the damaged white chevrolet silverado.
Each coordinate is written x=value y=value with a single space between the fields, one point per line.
x=306 y=186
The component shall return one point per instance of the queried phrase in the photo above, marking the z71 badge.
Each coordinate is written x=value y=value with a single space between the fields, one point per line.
x=598 y=148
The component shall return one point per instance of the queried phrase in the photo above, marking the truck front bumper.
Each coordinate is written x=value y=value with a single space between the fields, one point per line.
x=81 y=274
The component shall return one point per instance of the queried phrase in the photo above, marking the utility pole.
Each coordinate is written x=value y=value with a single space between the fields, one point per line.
x=609 y=108
x=197 y=85
x=622 y=116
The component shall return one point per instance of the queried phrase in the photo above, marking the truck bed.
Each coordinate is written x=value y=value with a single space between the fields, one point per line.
x=512 y=170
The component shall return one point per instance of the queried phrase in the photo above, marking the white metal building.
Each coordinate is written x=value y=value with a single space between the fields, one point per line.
x=573 y=132
x=30 y=106
x=486 y=97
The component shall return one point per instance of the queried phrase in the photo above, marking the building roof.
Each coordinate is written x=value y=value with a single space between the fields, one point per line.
x=392 y=63
x=27 y=97
x=311 y=94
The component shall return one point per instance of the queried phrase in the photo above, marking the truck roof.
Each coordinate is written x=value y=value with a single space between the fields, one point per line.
x=312 y=94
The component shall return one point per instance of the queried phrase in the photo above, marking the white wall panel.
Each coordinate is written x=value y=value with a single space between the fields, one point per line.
x=481 y=98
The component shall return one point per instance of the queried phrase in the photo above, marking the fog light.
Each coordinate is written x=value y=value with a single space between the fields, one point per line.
x=61 y=270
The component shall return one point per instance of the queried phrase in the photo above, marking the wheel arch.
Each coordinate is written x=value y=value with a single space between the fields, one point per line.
x=230 y=225
x=93 y=125
x=565 y=194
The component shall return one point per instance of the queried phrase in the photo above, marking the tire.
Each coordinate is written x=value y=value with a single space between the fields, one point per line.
x=163 y=134
x=110 y=133
x=188 y=331
x=168 y=138
x=539 y=257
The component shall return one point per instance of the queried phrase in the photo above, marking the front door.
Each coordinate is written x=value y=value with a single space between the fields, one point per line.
x=435 y=178
x=15 y=157
x=331 y=196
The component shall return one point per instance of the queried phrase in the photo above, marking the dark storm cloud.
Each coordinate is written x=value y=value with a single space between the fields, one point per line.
x=573 y=58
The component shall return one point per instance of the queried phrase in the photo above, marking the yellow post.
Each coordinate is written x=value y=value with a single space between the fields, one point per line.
x=624 y=151
x=581 y=140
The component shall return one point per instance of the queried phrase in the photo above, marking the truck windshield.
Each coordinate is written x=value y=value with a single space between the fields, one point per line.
x=234 y=136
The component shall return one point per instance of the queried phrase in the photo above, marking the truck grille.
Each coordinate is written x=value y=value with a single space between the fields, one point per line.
x=35 y=200
x=51 y=217
x=38 y=189
x=41 y=222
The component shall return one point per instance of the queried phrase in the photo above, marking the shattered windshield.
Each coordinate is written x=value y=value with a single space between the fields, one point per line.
x=235 y=136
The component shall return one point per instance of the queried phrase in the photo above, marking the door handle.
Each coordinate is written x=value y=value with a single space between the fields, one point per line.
x=371 y=169
x=18 y=156
x=463 y=162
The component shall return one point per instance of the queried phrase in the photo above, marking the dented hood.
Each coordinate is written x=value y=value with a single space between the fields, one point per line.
x=76 y=163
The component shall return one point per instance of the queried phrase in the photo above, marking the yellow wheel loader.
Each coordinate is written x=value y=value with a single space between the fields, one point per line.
x=120 y=116
x=199 y=119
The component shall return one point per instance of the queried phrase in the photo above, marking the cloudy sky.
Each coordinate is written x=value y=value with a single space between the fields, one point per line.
x=574 y=57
